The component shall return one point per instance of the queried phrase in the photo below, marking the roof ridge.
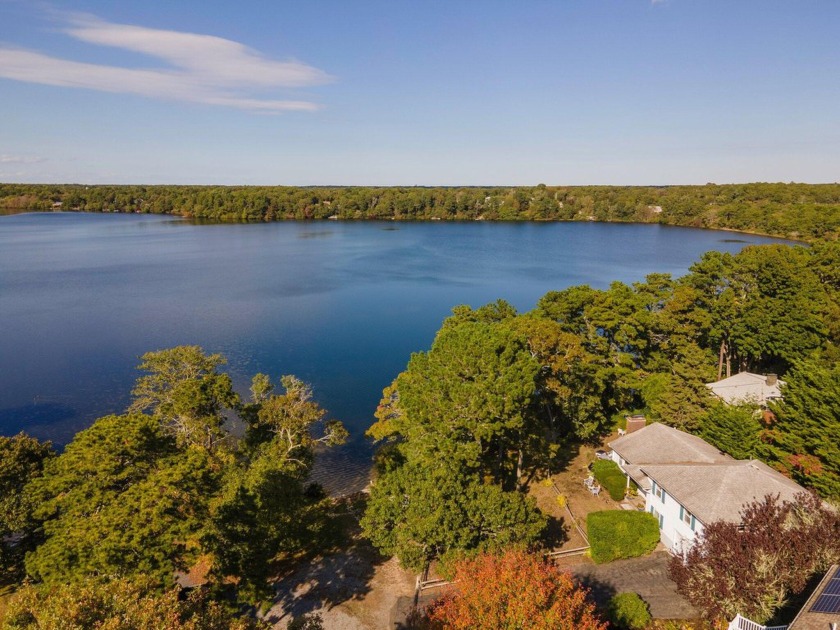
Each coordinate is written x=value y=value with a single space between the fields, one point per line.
x=693 y=442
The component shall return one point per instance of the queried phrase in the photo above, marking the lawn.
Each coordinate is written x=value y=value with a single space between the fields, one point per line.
x=569 y=483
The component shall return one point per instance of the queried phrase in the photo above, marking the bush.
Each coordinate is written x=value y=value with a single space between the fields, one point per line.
x=628 y=610
x=610 y=476
x=617 y=534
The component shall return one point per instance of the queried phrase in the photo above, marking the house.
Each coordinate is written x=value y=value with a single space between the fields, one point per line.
x=687 y=483
x=658 y=444
x=820 y=612
x=747 y=387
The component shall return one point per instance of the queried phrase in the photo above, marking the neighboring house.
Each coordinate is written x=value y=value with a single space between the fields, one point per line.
x=687 y=483
x=747 y=388
x=820 y=612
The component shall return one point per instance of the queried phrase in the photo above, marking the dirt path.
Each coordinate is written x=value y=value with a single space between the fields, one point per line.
x=354 y=589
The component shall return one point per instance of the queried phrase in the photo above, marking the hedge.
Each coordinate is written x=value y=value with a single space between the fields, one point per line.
x=617 y=534
x=628 y=610
x=610 y=476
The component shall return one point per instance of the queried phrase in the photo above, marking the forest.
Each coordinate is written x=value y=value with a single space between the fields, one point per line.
x=797 y=211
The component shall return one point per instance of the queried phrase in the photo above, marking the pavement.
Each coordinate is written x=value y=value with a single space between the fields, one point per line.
x=648 y=577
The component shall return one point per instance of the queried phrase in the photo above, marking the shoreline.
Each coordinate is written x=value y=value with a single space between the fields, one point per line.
x=5 y=211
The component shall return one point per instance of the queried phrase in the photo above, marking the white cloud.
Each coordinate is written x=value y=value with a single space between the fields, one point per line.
x=5 y=158
x=201 y=68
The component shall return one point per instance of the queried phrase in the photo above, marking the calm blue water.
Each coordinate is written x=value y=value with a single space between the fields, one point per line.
x=341 y=305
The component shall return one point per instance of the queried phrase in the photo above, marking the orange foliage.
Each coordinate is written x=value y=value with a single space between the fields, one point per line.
x=512 y=591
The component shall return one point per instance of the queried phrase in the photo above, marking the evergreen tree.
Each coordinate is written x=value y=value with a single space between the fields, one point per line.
x=803 y=441
x=22 y=459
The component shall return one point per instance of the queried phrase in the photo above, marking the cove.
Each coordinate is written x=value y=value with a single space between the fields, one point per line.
x=342 y=305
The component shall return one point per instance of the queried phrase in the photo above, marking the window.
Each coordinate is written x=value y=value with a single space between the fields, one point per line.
x=686 y=517
x=659 y=492
x=658 y=516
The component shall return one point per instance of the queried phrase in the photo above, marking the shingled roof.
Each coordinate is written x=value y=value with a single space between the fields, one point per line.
x=660 y=444
x=719 y=491
x=747 y=387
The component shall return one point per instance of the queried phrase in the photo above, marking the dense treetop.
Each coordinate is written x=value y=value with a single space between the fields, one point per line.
x=169 y=485
x=803 y=211
x=511 y=591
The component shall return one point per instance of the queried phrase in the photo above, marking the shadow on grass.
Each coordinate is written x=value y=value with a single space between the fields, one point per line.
x=556 y=533
x=340 y=574
x=565 y=455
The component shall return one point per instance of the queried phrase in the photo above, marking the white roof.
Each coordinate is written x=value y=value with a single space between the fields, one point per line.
x=746 y=387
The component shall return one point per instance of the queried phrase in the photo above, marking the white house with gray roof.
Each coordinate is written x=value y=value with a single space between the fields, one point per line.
x=688 y=483
x=747 y=387
x=660 y=444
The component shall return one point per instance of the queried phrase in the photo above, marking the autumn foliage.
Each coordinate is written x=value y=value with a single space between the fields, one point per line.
x=755 y=568
x=510 y=591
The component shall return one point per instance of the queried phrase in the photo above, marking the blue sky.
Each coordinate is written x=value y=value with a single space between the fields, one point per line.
x=400 y=92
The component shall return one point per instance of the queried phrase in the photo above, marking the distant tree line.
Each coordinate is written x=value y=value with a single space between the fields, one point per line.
x=800 y=211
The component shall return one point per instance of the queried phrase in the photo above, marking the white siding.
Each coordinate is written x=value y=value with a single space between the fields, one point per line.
x=674 y=532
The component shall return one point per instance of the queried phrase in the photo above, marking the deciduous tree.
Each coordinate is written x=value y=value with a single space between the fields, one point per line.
x=511 y=591
x=754 y=567
x=118 y=605
x=186 y=392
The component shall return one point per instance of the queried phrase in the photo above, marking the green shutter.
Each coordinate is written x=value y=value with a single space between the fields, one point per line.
x=693 y=521
x=682 y=512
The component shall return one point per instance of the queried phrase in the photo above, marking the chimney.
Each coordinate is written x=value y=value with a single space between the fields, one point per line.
x=634 y=423
x=771 y=380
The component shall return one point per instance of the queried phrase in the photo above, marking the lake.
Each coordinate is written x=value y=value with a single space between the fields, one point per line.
x=341 y=305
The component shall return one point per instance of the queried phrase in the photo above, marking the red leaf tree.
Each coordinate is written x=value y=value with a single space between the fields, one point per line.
x=510 y=591
x=754 y=568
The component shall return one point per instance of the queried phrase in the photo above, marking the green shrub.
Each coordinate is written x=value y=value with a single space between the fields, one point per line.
x=609 y=475
x=617 y=534
x=628 y=611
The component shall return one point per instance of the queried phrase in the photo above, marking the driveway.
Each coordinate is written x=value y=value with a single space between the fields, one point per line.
x=647 y=577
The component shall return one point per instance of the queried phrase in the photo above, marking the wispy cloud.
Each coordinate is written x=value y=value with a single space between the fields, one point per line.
x=199 y=68
x=5 y=158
